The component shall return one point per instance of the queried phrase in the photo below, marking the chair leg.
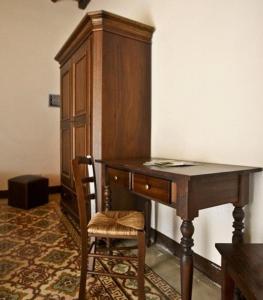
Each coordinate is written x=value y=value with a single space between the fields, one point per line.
x=108 y=246
x=93 y=250
x=87 y=263
x=141 y=262
x=83 y=272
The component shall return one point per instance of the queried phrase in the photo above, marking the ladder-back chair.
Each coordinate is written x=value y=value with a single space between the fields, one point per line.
x=107 y=224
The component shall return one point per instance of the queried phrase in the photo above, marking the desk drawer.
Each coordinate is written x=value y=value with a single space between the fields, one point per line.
x=152 y=187
x=119 y=177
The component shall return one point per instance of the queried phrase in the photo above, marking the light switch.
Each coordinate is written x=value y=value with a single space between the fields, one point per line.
x=54 y=100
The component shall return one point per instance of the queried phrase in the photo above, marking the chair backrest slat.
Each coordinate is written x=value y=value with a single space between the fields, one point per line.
x=85 y=160
x=88 y=179
x=82 y=185
x=91 y=197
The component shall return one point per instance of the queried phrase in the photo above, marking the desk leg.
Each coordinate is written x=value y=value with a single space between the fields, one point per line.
x=238 y=225
x=238 y=237
x=187 y=230
x=148 y=211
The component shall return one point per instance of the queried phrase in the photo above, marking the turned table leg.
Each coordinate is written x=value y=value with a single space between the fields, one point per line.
x=187 y=230
x=107 y=197
x=238 y=225
x=238 y=237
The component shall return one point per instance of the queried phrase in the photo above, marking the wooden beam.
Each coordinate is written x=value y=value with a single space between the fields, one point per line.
x=82 y=3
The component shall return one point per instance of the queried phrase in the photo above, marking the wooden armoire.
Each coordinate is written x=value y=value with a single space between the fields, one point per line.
x=105 y=95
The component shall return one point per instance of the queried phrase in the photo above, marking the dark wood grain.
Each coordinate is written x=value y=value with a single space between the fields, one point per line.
x=205 y=185
x=103 y=21
x=106 y=95
x=173 y=173
x=238 y=225
x=238 y=212
x=152 y=187
x=203 y=189
x=187 y=261
x=193 y=188
x=126 y=98
x=119 y=177
x=242 y=264
x=65 y=124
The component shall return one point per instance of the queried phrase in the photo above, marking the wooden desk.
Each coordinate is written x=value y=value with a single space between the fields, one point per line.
x=188 y=190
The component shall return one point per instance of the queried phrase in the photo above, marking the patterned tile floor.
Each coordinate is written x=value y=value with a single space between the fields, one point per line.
x=39 y=259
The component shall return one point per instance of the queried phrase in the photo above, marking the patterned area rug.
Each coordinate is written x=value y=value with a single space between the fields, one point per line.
x=39 y=259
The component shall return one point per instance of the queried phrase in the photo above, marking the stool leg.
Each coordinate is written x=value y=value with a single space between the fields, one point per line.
x=141 y=262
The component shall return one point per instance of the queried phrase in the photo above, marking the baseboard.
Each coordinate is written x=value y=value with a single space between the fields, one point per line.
x=51 y=189
x=3 y=194
x=210 y=269
x=55 y=189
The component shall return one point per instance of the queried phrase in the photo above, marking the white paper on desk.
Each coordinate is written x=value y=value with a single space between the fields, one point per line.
x=169 y=163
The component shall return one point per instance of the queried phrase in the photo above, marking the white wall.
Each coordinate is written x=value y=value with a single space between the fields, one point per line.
x=31 y=33
x=207 y=92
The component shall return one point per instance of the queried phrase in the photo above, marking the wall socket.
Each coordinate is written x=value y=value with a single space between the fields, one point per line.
x=54 y=100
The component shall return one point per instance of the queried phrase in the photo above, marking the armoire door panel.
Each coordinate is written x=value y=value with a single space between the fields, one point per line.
x=81 y=79
x=81 y=143
x=126 y=123
x=66 y=92
x=80 y=140
x=66 y=153
x=80 y=86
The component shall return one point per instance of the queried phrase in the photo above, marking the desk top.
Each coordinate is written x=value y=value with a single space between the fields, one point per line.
x=201 y=169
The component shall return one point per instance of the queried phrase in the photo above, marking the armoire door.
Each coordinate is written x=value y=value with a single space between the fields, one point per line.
x=81 y=101
x=66 y=124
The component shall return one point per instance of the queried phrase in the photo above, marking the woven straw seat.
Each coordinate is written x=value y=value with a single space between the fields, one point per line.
x=116 y=223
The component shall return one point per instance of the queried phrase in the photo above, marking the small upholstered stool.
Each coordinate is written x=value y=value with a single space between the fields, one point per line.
x=27 y=191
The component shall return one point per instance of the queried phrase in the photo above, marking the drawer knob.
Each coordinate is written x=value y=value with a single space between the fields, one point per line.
x=147 y=187
x=115 y=178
